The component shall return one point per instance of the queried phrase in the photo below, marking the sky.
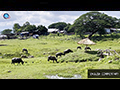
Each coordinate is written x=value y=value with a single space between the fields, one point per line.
x=44 y=18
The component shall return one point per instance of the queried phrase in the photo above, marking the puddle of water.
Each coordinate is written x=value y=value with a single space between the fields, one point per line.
x=76 y=76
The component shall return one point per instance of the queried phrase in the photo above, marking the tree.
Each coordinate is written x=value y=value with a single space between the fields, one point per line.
x=6 y=31
x=30 y=28
x=42 y=29
x=19 y=30
x=16 y=27
x=58 y=25
x=67 y=27
x=25 y=25
x=93 y=22
x=118 y=23
x=71 y=28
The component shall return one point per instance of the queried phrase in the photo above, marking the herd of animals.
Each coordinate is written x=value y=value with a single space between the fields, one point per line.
x=53 y=58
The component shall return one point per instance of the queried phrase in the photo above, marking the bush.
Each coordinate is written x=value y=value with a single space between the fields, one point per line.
x=114 y=58
x=118 y=51
x=78 y=57
x=16 y=54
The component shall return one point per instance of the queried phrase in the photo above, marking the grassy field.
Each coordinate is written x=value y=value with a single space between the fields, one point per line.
x=70 y=64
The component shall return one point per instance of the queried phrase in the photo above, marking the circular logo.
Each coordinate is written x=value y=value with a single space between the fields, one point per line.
x=6 y=16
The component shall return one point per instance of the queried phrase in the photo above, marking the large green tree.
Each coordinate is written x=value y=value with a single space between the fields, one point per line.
x=93 y=22
x=42 y=29
x=30 y=28
x=6 y=31
x=24 y=26
x=67 y=27
x=58 y=25
x=16 y=27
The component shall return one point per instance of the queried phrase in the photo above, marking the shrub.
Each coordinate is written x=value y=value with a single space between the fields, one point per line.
x=114 y=58
x=16 y=54
x=78 y=57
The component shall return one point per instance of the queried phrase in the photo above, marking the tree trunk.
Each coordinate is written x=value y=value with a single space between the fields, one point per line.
x=92 y=34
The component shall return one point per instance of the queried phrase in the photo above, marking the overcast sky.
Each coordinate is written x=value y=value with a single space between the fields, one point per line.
x=44 y=17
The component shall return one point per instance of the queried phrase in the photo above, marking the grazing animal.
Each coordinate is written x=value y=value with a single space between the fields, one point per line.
x=101 y=55
x=24 y=50
x=52 y=58
x=67 y=51
x=87 y=48
x=59 y=54
x=79 y=47
x=23 y=56
x=17 y=60
x=107 y=51
x=31 y=56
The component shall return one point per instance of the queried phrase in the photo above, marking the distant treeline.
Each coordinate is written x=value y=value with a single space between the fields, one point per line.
x=91 y=22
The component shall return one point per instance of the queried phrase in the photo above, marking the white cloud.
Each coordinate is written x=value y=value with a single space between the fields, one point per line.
x=67 y=18
x=34 y=17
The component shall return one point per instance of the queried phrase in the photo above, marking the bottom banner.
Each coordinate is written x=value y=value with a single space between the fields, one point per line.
x=103 y=73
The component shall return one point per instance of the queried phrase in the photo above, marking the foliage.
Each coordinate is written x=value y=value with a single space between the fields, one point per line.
x=42 y=29
x=79 y=57
x=16 y=27
x=25 y=24
x=67 y=27
x=93 y=22
x=58 y=25
x=30 y=28
x=6 y=31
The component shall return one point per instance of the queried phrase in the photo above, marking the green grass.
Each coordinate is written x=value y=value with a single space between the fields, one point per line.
x=77 y=62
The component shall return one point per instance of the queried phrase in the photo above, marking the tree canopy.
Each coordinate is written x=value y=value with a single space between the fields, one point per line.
x=93 y=22
x=42 y=29
x=6 y=31
x=16 y=26
x=30 y=28
x=58 y=25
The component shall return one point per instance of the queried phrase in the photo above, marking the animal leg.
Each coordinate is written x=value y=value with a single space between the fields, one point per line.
x=56 y=61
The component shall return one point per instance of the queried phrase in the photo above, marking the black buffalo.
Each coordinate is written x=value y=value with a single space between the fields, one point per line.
x=24 y=49
x=87 y=48
x=67 y=51
x=17 y=60
x=79 y=47
x=59 y=54
x=52 y=58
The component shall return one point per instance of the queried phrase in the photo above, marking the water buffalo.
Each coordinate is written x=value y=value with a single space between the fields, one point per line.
x=24 y=50
x=67 y=51
x=17 y=60
x=23 y=56
x=87 y=48
x=59 y=54
x=79 y=47
x=52 y=58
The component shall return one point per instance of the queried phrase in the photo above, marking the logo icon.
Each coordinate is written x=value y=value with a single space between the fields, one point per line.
x=6 y=16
